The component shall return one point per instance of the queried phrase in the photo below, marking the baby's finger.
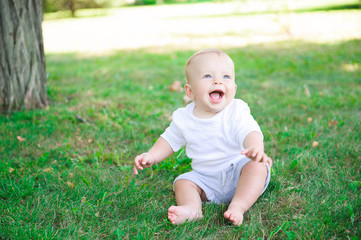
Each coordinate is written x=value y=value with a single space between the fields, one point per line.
x=135 y=171
x=254 y=154
x=249 y=153
x=245 y=152
x=270 y=163
x=138 y=162
x=267 y=159
x=259 y=157
x=145 y=161
x=263 y=157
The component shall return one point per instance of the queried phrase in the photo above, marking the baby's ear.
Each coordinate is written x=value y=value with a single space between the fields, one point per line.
x=188 y=90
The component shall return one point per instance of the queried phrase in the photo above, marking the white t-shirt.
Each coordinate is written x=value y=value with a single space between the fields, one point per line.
x=213 y=143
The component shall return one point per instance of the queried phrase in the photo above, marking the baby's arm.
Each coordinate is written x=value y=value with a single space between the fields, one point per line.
x=254 y=148
x=160 y=151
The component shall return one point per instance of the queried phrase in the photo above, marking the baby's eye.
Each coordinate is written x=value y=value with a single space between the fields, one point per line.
x=207 y=76
x=227 y=77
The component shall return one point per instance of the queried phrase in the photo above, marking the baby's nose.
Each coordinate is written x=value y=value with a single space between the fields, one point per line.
x=218 y=80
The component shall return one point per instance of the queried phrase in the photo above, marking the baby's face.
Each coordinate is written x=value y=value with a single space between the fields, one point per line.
x=211 y=83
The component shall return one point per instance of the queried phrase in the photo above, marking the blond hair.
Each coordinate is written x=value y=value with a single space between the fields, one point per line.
x=204 y=51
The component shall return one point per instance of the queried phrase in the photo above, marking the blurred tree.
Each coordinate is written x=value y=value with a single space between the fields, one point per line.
x=74 y=5
x=22 y=60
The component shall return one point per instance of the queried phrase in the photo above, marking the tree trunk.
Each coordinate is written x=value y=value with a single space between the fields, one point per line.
x=22 y=59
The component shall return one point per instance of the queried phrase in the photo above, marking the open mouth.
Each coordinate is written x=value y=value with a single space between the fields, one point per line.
x=216 y=95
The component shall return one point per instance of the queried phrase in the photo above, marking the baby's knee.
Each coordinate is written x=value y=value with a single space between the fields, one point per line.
x=186 y=184
x=256 y=168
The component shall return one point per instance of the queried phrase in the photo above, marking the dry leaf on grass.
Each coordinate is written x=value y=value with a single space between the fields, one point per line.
x=48 y=170
x=176 y=86
x=332 y=123
x=307 y=91
x=315 y=144
x=20 y=139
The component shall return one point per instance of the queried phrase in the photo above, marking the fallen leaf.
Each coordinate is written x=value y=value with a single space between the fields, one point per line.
x=332 y=123
x=176 y=86
x=309 y=119
x=307 y=91
x=70 y=175
x=21 y=139
x=97 y=214
x=48 y=170
x=89 y=93
x=315 y=144
x=70 y=184
x=90 y=140
x=11 y=170
x=83 y=200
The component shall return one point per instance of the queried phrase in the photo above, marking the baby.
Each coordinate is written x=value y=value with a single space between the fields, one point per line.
x=221 y=137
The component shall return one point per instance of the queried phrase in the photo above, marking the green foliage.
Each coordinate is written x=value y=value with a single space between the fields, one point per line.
x=74 y=5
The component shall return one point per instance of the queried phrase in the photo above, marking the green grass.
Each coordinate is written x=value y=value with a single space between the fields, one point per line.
x=71 y=177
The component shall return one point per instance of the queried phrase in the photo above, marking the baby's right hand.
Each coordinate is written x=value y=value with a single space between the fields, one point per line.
x=144 y=160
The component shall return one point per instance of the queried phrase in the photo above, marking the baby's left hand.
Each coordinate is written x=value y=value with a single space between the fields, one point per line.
x=257 y=155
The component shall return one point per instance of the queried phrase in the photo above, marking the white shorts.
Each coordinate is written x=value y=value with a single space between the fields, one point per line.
x=220 y=187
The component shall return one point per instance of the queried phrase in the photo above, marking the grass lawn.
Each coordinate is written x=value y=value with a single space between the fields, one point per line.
x=66 y=171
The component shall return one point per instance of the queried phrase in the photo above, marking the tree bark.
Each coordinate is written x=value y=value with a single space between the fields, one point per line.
x=22 y=59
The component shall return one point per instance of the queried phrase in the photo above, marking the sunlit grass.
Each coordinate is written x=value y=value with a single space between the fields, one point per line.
x=66 y=171
x=68 y=174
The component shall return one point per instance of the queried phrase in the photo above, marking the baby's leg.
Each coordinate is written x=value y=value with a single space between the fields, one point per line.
x=189 y=203
x=249 y=188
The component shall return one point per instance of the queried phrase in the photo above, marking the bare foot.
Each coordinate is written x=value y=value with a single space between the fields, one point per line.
x=179 y=214
x=234 y=214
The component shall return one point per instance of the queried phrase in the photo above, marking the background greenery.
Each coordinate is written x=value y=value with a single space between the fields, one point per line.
x=74 y=5
x=65 y=171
